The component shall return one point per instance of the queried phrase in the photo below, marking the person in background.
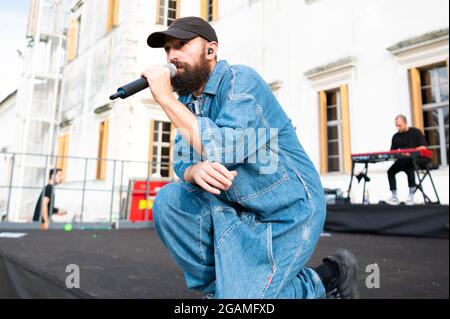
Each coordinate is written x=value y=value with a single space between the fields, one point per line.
x=45 y=206
x=406 y=137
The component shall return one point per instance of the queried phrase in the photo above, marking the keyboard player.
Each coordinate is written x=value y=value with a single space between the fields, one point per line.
x=406 y=137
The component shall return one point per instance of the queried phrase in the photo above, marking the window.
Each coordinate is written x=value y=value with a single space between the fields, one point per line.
x=113 y=14
x=209 y=10
x=335 y=131
x=429 y=99
x=160 y=154
x=434 y=89
x=102 y=149
x=63 y=152
x=167 y=11
x=73 y=41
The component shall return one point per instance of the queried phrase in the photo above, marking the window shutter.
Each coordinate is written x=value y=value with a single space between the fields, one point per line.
x=204 y=9
x=113 y=14
x=71 y=42
x=116 y=5
x=63 y=151
x=416 y=98
x=345 y=115
x=215 y=9
x=157 y=17
x=102 y=149
x=178 y=11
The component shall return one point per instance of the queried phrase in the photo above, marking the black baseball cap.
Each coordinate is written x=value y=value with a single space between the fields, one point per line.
x=184 y=29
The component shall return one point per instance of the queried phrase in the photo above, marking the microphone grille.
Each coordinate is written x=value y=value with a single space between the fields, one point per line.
x=172 y=69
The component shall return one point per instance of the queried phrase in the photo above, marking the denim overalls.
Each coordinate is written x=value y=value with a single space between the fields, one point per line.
x=254 y=240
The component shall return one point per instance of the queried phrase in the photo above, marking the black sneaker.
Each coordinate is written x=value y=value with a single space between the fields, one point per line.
x=345 y=286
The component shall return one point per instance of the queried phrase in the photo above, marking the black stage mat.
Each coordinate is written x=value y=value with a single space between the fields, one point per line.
x=134 y=264
x=402 y=220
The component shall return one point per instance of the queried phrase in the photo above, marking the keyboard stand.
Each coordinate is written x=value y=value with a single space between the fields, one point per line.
x=362 y=175
x=421 y=173
x=425 y=173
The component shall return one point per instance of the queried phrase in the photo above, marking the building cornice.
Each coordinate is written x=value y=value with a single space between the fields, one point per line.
x=341 y=65
x=424 y=40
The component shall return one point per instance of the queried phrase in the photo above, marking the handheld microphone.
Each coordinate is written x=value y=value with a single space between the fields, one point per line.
x=138 y=85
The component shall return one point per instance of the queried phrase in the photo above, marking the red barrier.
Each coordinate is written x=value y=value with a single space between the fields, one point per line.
x=138 y=198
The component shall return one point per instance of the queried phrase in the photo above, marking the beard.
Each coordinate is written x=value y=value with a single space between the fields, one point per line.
x=192 y=77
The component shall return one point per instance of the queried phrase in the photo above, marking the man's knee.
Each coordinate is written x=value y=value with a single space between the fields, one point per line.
x=163 y=204
x=170 y=200
x=392 y=171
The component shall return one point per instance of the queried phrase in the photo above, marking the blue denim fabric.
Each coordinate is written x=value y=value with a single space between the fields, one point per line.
x=254 y=240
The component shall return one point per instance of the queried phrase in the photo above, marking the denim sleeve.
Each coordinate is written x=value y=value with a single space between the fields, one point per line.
x=184 y=156
x=234 y=137
x=237 y=134
x=180 y=168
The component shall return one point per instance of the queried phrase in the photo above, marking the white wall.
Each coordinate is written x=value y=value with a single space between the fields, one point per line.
x=105 y=62
x=8 y=118
x=281 y=40
x=8 y=111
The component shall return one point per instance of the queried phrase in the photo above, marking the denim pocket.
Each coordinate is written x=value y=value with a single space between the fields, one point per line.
x=305 y=186
x=250 y=184
x=294 y=170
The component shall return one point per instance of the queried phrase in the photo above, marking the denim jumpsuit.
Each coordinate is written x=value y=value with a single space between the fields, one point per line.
x=253 y=240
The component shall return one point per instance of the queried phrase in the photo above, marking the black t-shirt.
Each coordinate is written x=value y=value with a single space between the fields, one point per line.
x=49 y=192
x=412 y=138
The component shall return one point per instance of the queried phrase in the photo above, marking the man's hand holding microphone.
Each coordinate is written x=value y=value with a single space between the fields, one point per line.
x=211 y=176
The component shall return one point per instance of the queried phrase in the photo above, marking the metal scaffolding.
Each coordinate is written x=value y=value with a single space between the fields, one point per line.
x=114 y=193
x=38 y=93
